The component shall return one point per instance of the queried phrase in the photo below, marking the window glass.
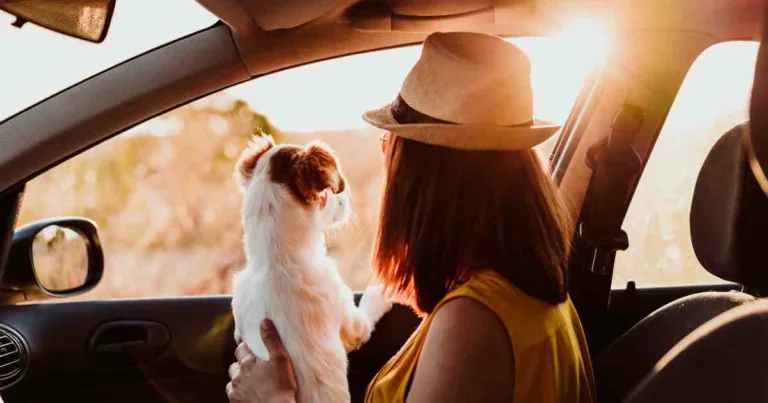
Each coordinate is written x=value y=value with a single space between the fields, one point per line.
x=38 y=62
x=164 y=196
x=713 y=98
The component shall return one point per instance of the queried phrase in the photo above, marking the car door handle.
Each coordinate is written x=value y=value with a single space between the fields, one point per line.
x=128 y=342
x=119 y=346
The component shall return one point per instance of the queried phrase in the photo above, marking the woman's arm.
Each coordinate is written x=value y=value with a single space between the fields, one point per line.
x=467 y=357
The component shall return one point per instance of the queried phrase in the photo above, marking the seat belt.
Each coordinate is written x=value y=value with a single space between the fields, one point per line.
x=615 y=166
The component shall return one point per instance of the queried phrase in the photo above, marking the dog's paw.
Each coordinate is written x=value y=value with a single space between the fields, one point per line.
x=374 y=303
x=238 y=336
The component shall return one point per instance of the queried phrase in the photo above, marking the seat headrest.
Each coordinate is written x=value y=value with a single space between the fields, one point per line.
x=729 y=215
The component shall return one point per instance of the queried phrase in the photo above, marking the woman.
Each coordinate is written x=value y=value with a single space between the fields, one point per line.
x=472 y=234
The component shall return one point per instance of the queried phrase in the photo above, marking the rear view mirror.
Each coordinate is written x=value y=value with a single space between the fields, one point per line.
x=60 y=256
x=84 y=19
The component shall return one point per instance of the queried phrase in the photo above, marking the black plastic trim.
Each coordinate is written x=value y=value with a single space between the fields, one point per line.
x=24 y=354
x=9 y=212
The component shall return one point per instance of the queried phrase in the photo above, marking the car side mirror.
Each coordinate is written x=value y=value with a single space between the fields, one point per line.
x=60 y=256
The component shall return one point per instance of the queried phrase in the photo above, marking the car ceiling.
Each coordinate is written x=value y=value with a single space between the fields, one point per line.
x=725 y=19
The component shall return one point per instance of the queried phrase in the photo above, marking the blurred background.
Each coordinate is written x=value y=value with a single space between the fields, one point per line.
x=168 y=208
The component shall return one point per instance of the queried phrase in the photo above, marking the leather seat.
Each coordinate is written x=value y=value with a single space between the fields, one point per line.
x=724 y=360
x=729 y=220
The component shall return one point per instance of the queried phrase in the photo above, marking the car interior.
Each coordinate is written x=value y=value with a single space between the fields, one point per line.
x=727 y=216
x=674 y=343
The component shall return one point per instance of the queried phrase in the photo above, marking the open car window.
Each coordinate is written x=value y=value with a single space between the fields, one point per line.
x=164 y=195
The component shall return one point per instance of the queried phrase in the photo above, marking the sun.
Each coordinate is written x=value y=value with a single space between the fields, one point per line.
x=560 y=63
x=588 y=38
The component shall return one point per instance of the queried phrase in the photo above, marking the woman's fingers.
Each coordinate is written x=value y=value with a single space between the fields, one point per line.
x=272 y=340
x=242 y=353
x=234 y=370
x=253 y=380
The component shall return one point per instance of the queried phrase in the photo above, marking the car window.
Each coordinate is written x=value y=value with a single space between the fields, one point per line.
x=38 y=62
x=164 y=196
x=713 y=98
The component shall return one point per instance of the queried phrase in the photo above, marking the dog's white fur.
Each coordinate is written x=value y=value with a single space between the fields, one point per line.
x=290 y=279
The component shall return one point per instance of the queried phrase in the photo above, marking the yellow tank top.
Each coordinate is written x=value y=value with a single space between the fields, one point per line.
x=550 y=352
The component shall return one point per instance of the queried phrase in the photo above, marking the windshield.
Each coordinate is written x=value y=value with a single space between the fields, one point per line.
x=38 y=63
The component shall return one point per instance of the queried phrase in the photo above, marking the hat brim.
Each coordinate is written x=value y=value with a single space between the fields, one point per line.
x=465 y=136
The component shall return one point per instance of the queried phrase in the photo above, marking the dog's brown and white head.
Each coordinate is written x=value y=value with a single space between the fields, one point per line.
x=280 y=176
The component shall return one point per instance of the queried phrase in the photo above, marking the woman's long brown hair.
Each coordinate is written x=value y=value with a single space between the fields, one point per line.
x=446 y=212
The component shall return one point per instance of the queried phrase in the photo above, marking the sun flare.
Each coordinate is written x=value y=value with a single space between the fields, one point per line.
x=588 y=38
x=561 y=62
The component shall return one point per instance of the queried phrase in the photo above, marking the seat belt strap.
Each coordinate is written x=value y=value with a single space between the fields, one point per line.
x=616 y=166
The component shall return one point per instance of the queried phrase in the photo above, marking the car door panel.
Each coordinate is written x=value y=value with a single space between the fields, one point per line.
x=66 y=363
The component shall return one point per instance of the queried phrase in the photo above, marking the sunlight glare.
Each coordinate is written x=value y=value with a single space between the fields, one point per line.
x=588 y=38
x=562 y=62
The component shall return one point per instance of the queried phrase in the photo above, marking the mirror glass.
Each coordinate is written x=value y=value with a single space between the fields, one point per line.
x=84 y=19
x=60 y=257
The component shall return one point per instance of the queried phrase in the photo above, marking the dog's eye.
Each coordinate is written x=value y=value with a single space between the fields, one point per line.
x=323 y=198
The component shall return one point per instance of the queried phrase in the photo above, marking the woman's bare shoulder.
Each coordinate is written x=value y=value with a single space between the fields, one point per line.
x=467 y=356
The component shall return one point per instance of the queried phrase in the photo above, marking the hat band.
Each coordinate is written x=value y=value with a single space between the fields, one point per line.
x=404 y=114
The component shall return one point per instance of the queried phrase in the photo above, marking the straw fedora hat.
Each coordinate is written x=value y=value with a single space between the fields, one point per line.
x=467 y=91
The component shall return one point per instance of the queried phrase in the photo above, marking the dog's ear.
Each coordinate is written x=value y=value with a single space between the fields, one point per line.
x=249 y=158
x=317 y=170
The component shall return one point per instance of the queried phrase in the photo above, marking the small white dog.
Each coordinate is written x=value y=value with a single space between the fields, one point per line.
x=293 y=195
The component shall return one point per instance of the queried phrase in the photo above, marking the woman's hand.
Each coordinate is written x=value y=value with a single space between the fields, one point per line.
x=254 y=380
